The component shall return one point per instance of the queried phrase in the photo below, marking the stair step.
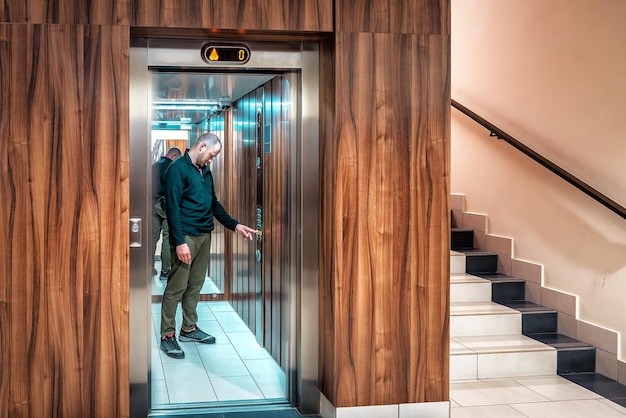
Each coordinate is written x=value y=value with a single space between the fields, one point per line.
x=469 y=288
x=573 y=356
x=500 y=356
x=506 y=288
x=483 y=318
x=536 y=319
x=486 y=337
x=461 y=239
x=457 y=262
x=480 y=262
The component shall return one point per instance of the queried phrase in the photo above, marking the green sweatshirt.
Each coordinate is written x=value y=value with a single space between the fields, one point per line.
x=191 y=203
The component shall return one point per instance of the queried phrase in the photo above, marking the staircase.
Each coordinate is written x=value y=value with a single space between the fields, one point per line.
x=495 y=332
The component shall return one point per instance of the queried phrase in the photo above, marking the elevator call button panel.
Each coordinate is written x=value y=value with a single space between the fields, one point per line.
x=225 y=54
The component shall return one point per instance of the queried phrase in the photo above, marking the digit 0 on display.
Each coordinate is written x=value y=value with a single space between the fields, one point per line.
x=225 y=54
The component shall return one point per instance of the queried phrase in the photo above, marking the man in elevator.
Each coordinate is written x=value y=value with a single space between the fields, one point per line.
x=191 y=208
x=159 y=220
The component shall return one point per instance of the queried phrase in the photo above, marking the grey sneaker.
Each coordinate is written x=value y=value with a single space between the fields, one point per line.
x=197 y=335
x=171 y=347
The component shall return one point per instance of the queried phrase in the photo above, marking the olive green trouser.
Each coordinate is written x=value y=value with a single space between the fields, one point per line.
x=159 y=224
x=184 y=284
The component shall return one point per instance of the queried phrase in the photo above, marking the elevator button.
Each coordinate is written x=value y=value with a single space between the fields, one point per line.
x=135 y=232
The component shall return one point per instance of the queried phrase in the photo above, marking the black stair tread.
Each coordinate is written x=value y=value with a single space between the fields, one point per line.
x=500 y=278
x=560 y=341
x=527 y=307
x=599 y=384
x=476 y=251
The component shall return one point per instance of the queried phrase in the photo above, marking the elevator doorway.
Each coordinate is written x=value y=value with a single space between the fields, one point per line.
x=260 y=297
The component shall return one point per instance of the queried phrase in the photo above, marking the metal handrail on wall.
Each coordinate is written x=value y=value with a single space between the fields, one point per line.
x=573 y=180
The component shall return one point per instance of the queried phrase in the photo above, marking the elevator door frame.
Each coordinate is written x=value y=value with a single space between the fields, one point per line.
x=302 y=388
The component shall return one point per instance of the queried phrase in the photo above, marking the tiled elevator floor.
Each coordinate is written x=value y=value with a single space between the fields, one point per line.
x=235 y=368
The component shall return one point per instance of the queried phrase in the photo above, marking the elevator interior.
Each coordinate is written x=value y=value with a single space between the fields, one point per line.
x=265 y=112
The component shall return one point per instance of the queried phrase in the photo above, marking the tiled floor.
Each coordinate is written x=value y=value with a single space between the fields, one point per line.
x=529 y=397
x=235 y=368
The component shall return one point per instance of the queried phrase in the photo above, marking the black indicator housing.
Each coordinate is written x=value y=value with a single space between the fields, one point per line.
x=225 y=54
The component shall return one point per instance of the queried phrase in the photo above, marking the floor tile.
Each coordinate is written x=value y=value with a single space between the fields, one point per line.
x=188 y=382
x=222 y=360
x=156 y=370
x=497 y=411
x=236 y=388
x=556 y=388
x=204 y=312
x=230 y=321
x=220 y=306
x=621 y=407
x=568 y=409
x=269 y=377
x=247 y=347
x=159 y=392
x=492 y=392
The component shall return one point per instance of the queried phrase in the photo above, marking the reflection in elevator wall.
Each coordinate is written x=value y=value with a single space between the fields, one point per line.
x=250 y=178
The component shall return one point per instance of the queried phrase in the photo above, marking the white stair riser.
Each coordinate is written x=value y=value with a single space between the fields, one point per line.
x=457 y=263
x=463 y=367
x=470 y=292
x=479 y=325
x=502 y=365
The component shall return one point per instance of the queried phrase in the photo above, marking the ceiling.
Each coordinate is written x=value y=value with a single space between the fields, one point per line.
x=195 y=95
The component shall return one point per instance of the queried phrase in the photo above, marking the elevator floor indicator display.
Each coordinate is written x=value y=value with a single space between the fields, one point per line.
x=225 y=54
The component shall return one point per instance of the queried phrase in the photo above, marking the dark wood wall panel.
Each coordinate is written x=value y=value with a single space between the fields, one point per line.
x=80 y=12
x=276 y=15
x=64 y=221
x=384 y=191
x=399 y=16
x=276 y=240
x=243 y=198
x=385 y=280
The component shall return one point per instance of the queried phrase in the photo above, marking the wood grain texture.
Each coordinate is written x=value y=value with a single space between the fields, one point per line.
x=384 y=280
x=64 y=220
x=393 y=16
x=268 y=15
x=243 y=191
x=220 y=168
x=80 y=12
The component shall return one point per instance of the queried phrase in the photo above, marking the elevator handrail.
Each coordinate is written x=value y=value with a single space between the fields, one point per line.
x=565 y=175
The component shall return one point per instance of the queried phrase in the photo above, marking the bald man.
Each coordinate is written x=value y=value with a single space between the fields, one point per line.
x=191 y=209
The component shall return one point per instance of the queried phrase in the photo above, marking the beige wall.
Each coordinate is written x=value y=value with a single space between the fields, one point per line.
x=553 y=75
